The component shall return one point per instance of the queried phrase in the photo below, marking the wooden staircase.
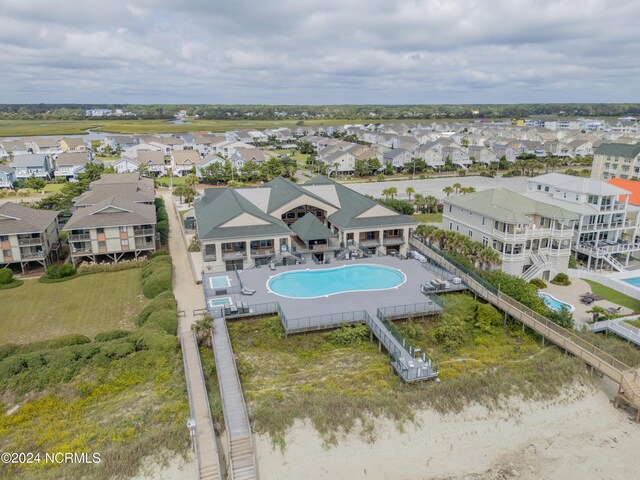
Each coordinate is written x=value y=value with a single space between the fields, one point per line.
x=627 y=378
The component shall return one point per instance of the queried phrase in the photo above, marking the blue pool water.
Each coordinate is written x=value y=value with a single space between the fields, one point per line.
x=635 y=281
x=554 y=304
x=219 y=282
x=330 y=281
x=220 y=302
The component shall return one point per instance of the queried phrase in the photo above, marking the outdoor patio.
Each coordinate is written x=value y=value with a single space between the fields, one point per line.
x=257 y=278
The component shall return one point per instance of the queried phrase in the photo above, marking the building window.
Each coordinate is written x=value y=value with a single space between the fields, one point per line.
x=539 y=187
x=124 y=243
x=485 y=241
x=546 y=189
x=449 y=208
x=100 y=230
x=470 y=213
x=450 y=226
x=483 y=220
x=6 y=253
x=542 y=221
x=593 y=199
x=470 y=233
x=457 y=228
x=123 y=228
x=102 y=244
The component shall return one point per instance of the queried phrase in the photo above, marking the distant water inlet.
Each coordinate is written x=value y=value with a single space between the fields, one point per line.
x=554 y=304
x=333 y=281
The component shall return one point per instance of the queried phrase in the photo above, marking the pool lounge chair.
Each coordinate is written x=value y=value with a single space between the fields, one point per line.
x=272 y=266
x=247 y=291
x=614 y=310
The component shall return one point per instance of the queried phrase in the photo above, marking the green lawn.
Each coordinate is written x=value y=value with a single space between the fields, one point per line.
x=614 y=296
x=301 y=158
x=166 y=181
x=53 y=187
x=87 y=305
x=428 y=217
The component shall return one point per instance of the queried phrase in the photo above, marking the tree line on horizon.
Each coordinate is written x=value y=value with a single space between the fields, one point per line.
x=346 y=112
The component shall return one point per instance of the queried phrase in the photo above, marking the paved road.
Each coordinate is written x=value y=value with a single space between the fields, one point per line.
x=434 y=186
x=190 y=297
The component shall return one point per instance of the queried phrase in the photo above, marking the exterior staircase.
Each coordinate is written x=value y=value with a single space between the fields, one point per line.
x=539 y=262
x=613 y=262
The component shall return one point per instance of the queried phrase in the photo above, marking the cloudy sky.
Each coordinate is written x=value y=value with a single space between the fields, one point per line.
x=319 y=51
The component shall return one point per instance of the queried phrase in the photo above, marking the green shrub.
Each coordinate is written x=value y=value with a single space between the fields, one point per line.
x=163 y=301
x=165 y=320
x=89 y=268
x=538 y=283
x=561 y=279
x=518 y=289
x=348 y=335
x=6 y=276
x=65 y=270
x=68 y=340
x=400 y=206
x=487 y=317
x=452 y=333
x=573 y=262
x=159 y=281
x=150 y=339
x=112 y=335
x=160 y=252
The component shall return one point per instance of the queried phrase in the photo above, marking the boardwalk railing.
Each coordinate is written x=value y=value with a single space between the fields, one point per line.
x=603 y=362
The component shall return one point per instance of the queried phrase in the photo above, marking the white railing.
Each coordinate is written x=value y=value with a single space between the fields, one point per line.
x=617 y=285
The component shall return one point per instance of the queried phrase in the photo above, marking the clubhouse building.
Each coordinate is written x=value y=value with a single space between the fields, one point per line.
x=282 y=222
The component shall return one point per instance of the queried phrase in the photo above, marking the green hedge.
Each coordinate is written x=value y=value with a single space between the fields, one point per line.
x=13 y=284
x=6 y=276
x=156 y=276
x=163 y=301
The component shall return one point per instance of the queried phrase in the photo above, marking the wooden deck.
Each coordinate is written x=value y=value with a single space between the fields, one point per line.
x=242 y=458
x=619 y=372
x=205 y=437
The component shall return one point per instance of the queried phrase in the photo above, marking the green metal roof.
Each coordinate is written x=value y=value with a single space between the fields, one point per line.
x=219 y=205
x=310 y=228
x=507 y=206
x=353 y=204
x=618 y=150
x=283 y=191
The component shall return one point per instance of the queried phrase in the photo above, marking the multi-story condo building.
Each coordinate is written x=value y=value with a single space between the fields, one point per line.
x=621 y=160
x=27 y=236
x=532 y=237
x=605 y=234
x=114 y=220
x=285 y=222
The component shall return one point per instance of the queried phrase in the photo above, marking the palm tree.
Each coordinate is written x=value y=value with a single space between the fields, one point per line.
x=191 y=179
x=203 y=329
x=185 y=191
x=410 y=191
x=431 y=204
x=386 y=193
x=448 y=190
x=419 y=201
x=393 y=191
x=457 y=187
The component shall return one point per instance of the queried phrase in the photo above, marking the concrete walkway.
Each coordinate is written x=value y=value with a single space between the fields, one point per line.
x=571 y=294
x=190 y=297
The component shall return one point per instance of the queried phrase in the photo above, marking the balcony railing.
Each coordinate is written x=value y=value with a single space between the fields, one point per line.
x=372 y=242
x=393 y=240
x=31 y=255
x=143 y=245
x=606 y=226
x=262 y=252
x=140 y=232
x=79 y=237
x=532 y=233
x=81 y=250
x=209 y=257
x=603 y=249
x=30 y=241
x=232 y=255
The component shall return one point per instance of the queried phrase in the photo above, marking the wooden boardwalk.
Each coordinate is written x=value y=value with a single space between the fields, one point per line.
x=242 y=459
x=627 y=378
x=204 y=433
x=189 y=297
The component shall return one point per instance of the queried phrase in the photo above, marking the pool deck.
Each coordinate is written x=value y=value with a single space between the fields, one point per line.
x=374 y=307
x=407 y=293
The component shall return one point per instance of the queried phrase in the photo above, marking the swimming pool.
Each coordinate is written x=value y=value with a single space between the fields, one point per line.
x=220 y=302
x=553 y=303
x=634 y=282
x=219 y=282
x=332 y=281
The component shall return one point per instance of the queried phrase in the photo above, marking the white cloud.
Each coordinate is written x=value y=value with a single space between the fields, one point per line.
x=329 y=51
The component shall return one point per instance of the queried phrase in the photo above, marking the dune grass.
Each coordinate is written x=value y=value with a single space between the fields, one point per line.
x=428 y=217
x=340 y=387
